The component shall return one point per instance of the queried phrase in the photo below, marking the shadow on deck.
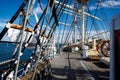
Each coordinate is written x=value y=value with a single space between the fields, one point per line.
x=77 y=74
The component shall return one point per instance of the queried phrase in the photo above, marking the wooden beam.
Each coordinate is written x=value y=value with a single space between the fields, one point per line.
x=74 y=9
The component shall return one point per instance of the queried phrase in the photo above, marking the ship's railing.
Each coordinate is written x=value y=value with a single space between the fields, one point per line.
x=7 y=61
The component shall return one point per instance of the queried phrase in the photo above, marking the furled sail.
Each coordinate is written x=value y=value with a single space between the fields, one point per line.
x=14 y=32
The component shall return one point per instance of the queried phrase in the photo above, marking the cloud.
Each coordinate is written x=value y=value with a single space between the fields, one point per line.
x=2 y=24
x=92 y=8
x=37 y=10
x=110 y=3
x=106 y=4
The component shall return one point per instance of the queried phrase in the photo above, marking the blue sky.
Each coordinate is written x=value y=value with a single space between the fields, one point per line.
x=106 y=10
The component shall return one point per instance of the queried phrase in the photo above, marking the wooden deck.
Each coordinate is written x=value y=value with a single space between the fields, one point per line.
x=71 y=66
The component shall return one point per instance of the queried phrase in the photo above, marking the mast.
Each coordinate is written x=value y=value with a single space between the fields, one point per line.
x=79 y=11
x=83 y=26
x=82 y=2
x=83 y=14
x=75 y=22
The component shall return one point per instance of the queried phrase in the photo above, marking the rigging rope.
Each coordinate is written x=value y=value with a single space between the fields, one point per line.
x=70 y=32
x=13 y=19
x=93 y=20
x=40 y=5
x=64 y=28
x=38 y=41
x=30 y=7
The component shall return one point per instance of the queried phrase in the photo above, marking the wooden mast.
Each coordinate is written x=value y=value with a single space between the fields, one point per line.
x=82 y=2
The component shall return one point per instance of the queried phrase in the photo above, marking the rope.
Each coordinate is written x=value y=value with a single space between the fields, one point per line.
x=30 y=7
x=93 y=20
